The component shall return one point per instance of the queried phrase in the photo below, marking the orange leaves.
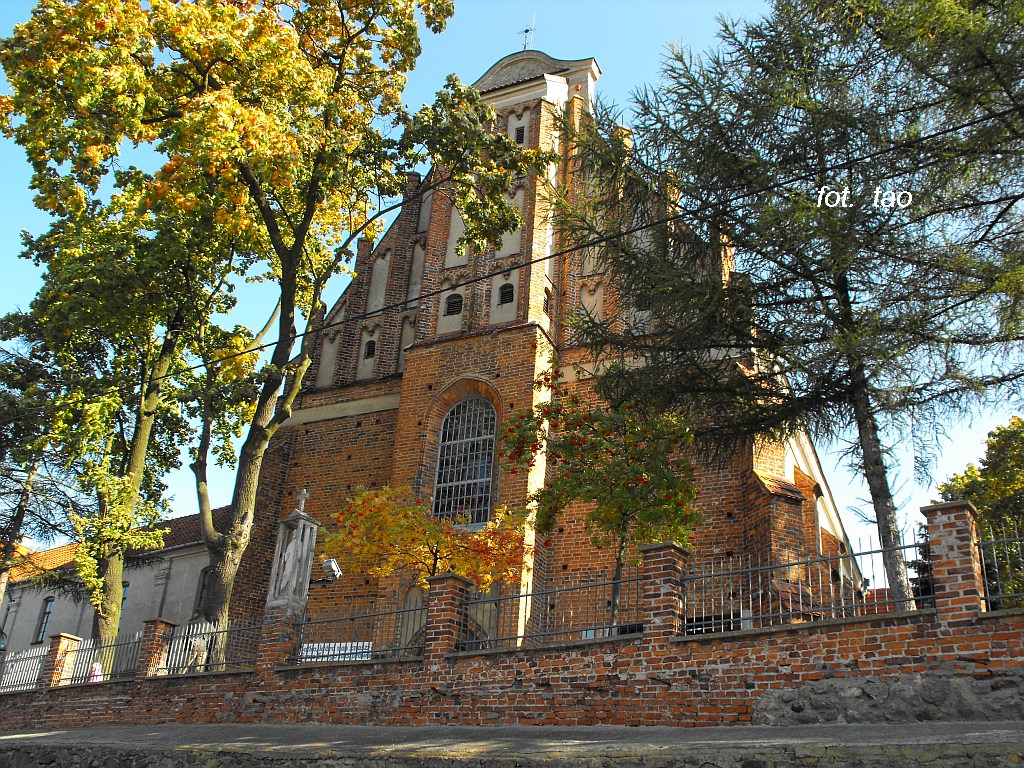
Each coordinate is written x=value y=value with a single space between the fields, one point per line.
x=385 y=530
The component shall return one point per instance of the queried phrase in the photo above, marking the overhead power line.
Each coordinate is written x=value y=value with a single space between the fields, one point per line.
x=404 y=305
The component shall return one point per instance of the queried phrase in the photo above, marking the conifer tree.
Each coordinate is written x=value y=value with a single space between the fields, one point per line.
x=859 y=297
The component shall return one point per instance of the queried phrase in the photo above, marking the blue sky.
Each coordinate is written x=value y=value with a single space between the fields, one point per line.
x=628 y=40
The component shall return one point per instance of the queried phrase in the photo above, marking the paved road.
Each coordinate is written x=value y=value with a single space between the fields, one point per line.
x=953 y=744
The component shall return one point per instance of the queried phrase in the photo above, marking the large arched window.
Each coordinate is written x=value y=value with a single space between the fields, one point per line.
x=465 y=459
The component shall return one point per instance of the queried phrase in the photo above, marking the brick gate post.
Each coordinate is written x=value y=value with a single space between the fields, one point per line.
x=955 y=561
x=156 y=639
x=661 y=572
x=445 y=600
x=277 y=639
x=59 y=661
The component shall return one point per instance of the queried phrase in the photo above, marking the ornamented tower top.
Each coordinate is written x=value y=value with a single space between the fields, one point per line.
x=528 y=75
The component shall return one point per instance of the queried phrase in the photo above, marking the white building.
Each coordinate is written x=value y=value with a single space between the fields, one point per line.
x=166 y=583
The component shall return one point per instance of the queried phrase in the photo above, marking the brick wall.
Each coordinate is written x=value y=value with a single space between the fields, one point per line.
x=655 y=678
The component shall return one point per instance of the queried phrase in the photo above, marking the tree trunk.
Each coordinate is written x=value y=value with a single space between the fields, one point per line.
x=873 y=458
x=226 y=549
x=217 y=600
x=271 y=411
x=14 y=531
x=112 y=566
x=881 y=497
x=108 y=617
x=616 y=591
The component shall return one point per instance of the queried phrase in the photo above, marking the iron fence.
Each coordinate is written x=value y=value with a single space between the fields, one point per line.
x=200 y=646
x=737 y=593
x=19 y=670
x=582 y=607
x=1002 y=564
x=91 y=662
x=392 y=633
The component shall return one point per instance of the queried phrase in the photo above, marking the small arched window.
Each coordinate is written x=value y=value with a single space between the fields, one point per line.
x=465 y=462
x=370 y=350
x=453 y=305
x=506 y=293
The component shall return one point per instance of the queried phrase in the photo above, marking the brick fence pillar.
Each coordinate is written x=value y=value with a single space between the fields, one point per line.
x=445 y=600
x=277 y=639
x=59 y=662
x=156 y=641
x=661 y=600
x=955 y=562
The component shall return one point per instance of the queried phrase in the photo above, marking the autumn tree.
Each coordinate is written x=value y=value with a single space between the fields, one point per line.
x=386 y=531
x=780 y=282
x=282 y=123
x=110 y=344
x=626 y=460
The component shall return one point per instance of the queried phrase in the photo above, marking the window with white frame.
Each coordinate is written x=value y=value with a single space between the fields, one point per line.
x=465 y=459
x=44 y=620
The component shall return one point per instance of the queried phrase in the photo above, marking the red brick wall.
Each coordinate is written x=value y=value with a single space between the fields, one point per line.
x=657 y=678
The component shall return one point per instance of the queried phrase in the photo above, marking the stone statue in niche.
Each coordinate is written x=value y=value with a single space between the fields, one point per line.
x=293 y=559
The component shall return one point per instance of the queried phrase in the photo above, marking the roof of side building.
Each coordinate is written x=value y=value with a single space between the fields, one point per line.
x=181 y=531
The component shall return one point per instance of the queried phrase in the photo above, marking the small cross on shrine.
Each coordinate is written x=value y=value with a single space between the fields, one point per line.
x=303 y=495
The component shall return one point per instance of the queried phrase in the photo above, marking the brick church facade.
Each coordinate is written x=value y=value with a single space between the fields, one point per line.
x=414 y=396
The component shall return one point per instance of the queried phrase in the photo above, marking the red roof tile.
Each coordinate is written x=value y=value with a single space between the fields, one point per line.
x=780 y=487
x=181 y=531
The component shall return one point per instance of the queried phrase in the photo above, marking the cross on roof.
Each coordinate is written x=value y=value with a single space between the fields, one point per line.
x=528 y=32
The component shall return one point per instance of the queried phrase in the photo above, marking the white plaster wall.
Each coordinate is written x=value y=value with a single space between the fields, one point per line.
x=416 y=274
x=408 y=337
x=364 y=368
x=328 y=361
x=449 y=323
x=423 y=223
x=512 y=242
x=378 y=282
x=455 y=231
x=165 y=587
x=520 y=121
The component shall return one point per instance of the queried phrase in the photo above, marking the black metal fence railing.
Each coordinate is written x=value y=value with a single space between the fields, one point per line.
x=737 y=593
x=19 y=670
x=582 y=607
x=393 y=633
x=1002 y=564
x=91 y=662
x=200 y=646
